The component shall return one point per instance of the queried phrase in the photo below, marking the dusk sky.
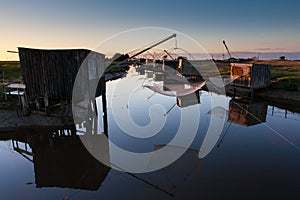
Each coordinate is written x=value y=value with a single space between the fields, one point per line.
x=256 y=25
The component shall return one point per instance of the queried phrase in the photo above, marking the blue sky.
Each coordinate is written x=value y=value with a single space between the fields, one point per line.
x=265 y=25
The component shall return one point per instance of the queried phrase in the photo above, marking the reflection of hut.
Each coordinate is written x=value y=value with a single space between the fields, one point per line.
x=64 y=162
x=50 y=74
x=60 y=158
x=251 y=76
x=246 y=112
x=188 y=100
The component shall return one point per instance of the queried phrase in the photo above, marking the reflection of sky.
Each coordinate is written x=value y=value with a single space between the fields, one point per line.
x=247 y=25
x=17 y=177
x=138 y=101
x=134 y=100
x=248 y=160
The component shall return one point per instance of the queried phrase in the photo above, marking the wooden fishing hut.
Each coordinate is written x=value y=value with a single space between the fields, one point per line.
x=187 y=68
x=184 y=67
x=170 y=65
x=249 y=76
x=49 y=75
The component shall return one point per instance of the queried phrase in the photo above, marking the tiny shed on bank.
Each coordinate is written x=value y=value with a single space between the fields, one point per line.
x=246 y=78
x=253 y=76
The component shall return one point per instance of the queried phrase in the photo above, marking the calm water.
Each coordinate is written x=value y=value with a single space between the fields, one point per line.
x=254 y=157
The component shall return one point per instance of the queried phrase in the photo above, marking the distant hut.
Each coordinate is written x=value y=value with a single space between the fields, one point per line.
x=170 y=65
x=50 y=74
x=252 y=76
x=187 y=68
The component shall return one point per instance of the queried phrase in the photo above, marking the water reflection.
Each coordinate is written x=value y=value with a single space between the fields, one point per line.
x=247 y=112
x=188 y=100
x=59 y=158
x=252 y=162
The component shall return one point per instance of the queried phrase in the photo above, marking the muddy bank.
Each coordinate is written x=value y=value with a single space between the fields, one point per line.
x=280 y=96
x=10 y=118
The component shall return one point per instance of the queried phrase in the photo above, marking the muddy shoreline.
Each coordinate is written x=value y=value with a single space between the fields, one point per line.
x=283 y=96
x=11 y=118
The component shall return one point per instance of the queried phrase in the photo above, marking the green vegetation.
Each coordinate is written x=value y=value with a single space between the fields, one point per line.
x=286 y=73
x=9 y=71
x=287 y=82
x=208 y=68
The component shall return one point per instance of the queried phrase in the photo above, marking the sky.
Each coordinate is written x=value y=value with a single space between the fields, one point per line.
x=255 y=26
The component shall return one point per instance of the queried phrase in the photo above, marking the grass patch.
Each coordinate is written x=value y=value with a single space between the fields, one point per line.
x=11 y=71
x=287 y=75
x=286 y=72
x=210 y=68
x=291 y=83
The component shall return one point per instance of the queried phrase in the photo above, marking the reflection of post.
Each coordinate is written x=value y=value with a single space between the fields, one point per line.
x=104 y=105
x=285 y=114
x=89 y=120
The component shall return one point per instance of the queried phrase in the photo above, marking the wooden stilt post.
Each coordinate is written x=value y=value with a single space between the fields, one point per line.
x=46 y=101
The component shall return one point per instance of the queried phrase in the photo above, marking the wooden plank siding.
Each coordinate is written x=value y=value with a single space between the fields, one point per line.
x=51 y=73
x=252 y=76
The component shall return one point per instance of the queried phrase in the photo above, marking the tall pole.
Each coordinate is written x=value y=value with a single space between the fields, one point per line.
x=227 y=48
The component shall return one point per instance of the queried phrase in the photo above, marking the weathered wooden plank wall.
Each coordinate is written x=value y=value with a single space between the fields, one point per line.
x=261 y=75
x=51 y=73
x=252 y=76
